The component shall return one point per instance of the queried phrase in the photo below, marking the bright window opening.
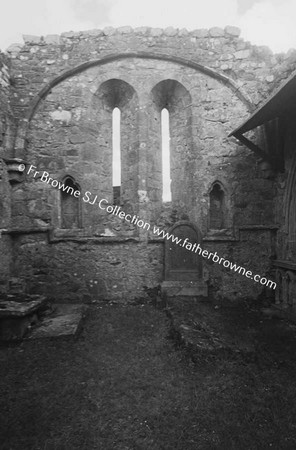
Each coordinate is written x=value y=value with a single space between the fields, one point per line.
x=166 y=165
x=116 y=155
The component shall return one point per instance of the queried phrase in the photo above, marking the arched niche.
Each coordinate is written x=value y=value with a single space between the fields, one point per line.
x=175 y=98
x=70 y=204
x=113 y=94
x=217 y=212
x=220 y=217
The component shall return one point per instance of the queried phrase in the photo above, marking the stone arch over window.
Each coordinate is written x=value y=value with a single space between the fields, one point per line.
x=172 y=96
x=117 y=95
x=219 y=208
x=70 y=206
x=24 y=123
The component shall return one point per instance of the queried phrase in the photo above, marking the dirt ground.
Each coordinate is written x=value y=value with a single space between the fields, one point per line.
x=124 y=383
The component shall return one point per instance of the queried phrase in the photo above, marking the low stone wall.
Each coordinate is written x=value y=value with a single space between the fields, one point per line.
x=88 y=270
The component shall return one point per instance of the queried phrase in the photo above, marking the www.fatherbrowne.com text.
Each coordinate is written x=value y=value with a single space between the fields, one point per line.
x=135 y=220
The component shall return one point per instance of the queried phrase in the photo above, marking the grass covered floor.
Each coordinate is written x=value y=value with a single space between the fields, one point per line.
x=123 y=384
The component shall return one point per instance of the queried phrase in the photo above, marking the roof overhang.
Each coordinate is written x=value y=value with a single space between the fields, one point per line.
x=283 y=101
x=276 y=107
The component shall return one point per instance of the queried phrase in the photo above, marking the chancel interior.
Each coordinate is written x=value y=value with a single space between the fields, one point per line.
x=193 y=132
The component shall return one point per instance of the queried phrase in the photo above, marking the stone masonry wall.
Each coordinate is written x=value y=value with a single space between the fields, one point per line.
x=5 y=118
x=65 y=88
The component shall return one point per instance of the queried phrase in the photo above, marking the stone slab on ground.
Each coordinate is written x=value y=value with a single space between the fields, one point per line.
x=20 y=309
x=65 y=321
x=18 y=314
x=202 y=328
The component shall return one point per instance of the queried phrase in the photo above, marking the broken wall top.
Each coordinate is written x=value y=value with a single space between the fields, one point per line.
x=255 y=68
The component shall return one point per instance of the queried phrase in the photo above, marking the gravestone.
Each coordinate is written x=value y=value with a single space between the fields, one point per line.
x=183 y=264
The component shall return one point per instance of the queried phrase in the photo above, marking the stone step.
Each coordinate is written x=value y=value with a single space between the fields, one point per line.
x=280 y=312
x=185 y=288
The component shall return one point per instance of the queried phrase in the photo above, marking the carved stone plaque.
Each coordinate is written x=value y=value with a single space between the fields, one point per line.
x=182 y=262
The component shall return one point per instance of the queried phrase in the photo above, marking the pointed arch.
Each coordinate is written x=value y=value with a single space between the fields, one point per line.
x=70 y=205
x=172 y=98
x=220 y=217
x=42 y=94
x=116 y=107
x=217 y=213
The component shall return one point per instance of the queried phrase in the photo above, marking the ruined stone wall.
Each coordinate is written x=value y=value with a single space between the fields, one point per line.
x=65 y=88
x=5 y=117
x=285 y=67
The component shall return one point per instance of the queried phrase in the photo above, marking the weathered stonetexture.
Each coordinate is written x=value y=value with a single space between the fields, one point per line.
x=52 y=39
x=6 y=130
x=202 y=33
x=232 y=31
x=14 y=49
x=170 y=31
x=30 y=39
x=89 y=270
x=209 y=81
x=156 y=31
x=216 y=32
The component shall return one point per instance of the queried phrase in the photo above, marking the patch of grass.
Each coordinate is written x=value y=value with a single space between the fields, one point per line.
x=123 y=385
